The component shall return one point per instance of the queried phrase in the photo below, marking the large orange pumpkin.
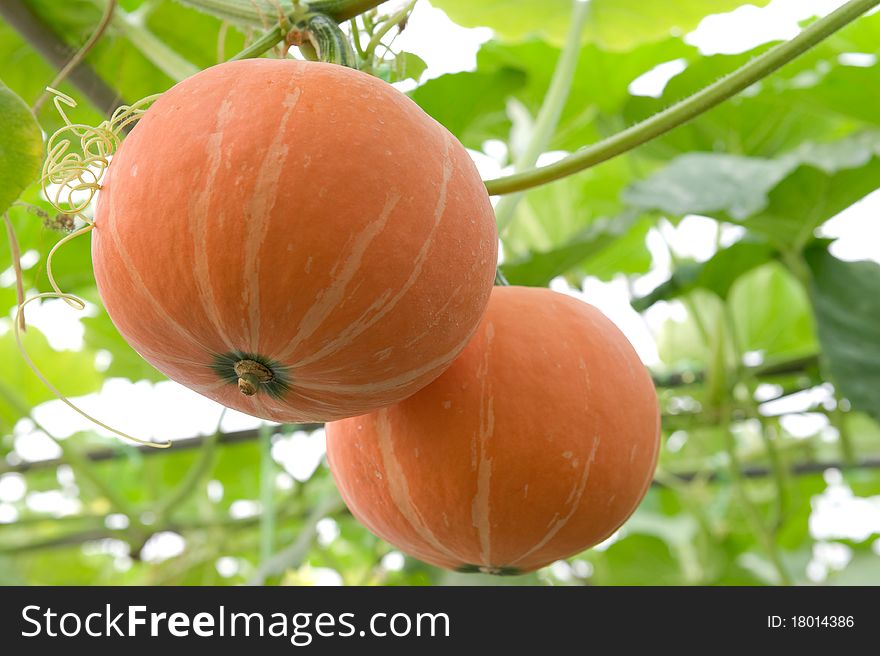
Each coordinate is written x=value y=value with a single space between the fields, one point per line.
x=296 y=240
x=537 y=443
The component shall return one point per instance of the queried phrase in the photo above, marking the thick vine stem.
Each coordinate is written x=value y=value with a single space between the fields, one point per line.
x=685 y=110
x=337 y=10
x=330 y=43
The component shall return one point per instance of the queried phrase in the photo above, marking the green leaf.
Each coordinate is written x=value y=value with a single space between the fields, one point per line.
x=635 y=560
x=680 y=343
x=846 y=299
x=512 y=19
x=605 y=248
x=783 y=198
x=771 y=117
x=133 y=56
x=623 y=24
x=809 y=197
x=73 y=372
x=28 y=74
x=408 y=66
x=551 y=215
x=600 y=87
x=615 y=24
x=704 y=183
x=21 y=147
x=717 y=274
x=478 y=112
x=815 y=97
x=771 y=313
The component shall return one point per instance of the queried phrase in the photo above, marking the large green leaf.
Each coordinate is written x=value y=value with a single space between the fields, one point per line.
x=846 y=299
x=478 y=112
x=605 y=248
x=21 y=146
x=784 y=198
x=717 y=274
x=615 y=24
x=771 y=313
x=637 y=558
x=709 y=184
x=549 y=216
x=600 y=87
x=817 y=96
x=523 y=71
x=811 y=196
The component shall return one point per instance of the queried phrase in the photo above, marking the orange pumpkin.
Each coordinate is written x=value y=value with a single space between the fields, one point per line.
x=296 y=240
x=537 y=443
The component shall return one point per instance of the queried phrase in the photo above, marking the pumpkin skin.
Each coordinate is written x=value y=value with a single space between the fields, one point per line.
x=303 y=217
x=537 y=443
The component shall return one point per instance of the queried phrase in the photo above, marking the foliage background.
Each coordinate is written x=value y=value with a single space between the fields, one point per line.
x=768 y=361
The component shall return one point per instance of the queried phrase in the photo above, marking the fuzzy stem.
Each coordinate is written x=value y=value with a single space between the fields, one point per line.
x=685 y=110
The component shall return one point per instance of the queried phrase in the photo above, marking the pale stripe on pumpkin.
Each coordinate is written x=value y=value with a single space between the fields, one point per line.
x=138 y=282
x=200 y=224
x=441 y=313
x=389 y=384
x=573 y=501
x=258 y=212
x=350 y=261
x=481 y=505
x=399 y=489
x=362 y=323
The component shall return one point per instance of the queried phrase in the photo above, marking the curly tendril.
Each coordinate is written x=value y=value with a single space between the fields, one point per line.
x=70 y=180
x=73 y=173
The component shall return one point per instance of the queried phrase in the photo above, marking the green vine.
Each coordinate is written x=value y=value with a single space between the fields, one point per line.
x=685 y=110
x=335 y=10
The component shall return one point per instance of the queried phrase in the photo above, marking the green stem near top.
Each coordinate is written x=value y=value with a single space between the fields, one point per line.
x=338 y=10
x=330 y=43
x=683 y=111
x=551 y=109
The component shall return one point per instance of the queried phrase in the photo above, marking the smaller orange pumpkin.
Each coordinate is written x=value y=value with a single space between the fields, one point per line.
x=538 y=442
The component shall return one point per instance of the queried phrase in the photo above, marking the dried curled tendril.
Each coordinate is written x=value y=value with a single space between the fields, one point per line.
x=70 y=181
